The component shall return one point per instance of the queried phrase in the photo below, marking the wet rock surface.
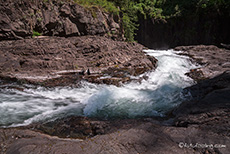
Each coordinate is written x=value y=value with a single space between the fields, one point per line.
x=214 y=60
x=129 y=136
x=209 y=108
x=74 y=127
x=200 y=125
x=52 y=61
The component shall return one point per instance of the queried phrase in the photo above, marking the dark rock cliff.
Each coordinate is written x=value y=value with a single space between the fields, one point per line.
x=87 y=44
x=19 y=18
x=194 y=29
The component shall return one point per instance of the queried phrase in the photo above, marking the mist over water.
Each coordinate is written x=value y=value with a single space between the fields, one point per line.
x=155 y=96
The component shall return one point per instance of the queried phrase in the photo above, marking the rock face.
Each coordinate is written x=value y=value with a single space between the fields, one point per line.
x=194 y=29
x=214 y=60
x=44 y=60
x=74 y=127
x=201 y=125
x=18 y=19
x=210 y=106
x=128 y=137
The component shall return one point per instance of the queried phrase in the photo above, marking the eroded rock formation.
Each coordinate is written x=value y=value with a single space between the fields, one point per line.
x=18 y=20
x=60 y=61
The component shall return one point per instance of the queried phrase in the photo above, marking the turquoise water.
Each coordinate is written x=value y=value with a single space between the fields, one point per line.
x=157 y=95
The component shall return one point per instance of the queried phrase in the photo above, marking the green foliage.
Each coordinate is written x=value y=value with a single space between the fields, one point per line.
x=106 y=5
x=129 y=26
x=130 y=19
x=39 y=19
x=36 y=33
x=132 y=10
x=166 y=9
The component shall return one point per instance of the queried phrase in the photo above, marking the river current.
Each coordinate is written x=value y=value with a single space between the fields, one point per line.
x=156 y=96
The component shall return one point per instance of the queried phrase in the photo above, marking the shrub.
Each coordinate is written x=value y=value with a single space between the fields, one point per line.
x=132 y=10
x=104 y=4
x=36 y=33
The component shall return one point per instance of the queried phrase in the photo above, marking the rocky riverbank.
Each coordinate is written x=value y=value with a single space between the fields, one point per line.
x=58 y=61
x=76 y=43
x=125 y=136
x=83 y=44
x=200 y=125
x=214 y=60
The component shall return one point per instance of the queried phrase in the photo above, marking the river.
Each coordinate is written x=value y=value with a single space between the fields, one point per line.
x=156 y=96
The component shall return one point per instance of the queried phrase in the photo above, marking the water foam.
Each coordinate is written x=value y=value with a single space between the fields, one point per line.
x=152 y=97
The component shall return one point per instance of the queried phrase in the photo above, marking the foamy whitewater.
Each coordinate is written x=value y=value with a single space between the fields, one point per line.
x=153 y=97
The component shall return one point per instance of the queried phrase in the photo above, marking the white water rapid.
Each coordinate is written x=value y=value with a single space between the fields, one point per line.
x=155 y=96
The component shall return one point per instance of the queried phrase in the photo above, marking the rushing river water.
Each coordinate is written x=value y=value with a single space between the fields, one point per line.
x=153 y=97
